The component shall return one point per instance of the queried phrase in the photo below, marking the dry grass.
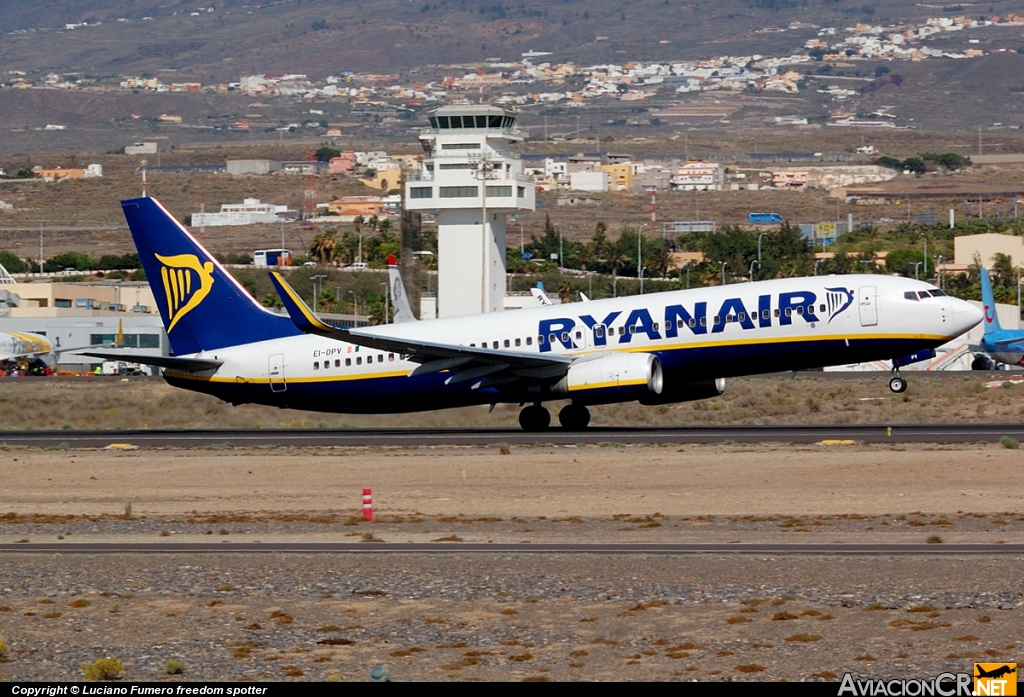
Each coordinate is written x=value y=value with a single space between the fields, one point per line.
x=87 y=404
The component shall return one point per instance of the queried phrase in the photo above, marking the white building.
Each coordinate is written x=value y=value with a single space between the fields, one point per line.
x=472 y=180
x=249 y=212
x=697 y=176
x=588 y=181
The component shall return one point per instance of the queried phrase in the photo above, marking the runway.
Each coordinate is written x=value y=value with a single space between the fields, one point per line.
x=838 y=435
x=461 y=548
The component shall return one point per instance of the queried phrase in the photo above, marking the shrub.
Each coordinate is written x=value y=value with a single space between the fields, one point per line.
x=5 y=650
x=174 y=668
x=1009 y=443
x=108 y=668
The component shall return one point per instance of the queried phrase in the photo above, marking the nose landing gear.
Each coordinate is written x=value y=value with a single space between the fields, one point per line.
x=897 y=383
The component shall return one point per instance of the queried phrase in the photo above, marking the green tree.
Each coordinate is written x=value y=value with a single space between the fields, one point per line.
x=11 y=262
x=325 y=154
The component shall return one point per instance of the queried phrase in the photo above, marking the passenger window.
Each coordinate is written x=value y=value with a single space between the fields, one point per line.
x=800 y=309
x=359 y=360
x=494 y=345
x=565 y=337
x=703 y=321
x=472 y=345
x=821 y=308
x=622 y=330
x=337 y=362
x=764 y=314
x=692 y=322
x=369 y=359
x=655 y=326
x=552 y=338
x=789 y=312
x=579 y=335
x=717 y=320
x=507 y=343
x=777 y=312
x=380 y=357
x=599 y=331
x=519 y=342
x=348 y=362
x=632 y=329
x=316 y=365
x=742 y=316
x=391 y=356
x=529 y=340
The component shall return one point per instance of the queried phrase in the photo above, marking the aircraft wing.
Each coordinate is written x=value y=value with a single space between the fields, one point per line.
x=468 y=362
x=172 y=362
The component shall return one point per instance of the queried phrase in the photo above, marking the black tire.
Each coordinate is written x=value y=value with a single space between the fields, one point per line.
x=897 y=384
x=534 y=418
x=574 y=417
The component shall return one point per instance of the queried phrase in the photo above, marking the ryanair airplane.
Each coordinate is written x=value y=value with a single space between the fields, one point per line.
x=654 y=349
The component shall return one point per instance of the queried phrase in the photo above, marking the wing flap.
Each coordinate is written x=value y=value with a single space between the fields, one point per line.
x=435 y=357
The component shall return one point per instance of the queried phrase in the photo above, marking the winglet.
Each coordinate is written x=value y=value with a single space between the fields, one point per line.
x=299 y=312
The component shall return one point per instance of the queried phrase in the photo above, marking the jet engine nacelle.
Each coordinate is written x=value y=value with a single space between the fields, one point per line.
x=615 y=377
x=685 y=392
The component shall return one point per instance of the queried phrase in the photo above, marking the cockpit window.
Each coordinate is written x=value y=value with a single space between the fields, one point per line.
x=923 y=294
x=938 y=293
x=910 y=295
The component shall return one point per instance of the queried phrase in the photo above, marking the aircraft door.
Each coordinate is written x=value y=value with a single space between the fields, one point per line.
x=867 y=298
x=275 y=371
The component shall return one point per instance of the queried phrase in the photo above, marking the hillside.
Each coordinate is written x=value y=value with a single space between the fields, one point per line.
x=320 y=37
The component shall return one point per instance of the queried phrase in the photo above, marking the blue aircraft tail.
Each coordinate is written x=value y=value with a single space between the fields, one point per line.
x=988 y=302
x=202 y=306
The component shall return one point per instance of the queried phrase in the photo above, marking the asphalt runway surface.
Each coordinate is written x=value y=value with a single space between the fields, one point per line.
x=929 y=433
x=507 y=548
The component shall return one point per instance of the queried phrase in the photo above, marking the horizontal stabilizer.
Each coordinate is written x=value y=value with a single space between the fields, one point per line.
x=172 y=362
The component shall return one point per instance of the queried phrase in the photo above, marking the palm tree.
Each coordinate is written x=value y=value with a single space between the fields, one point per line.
x=374 y=221
x=384 y=226
x=600 y=237
x=565 y=291
x=616 y=258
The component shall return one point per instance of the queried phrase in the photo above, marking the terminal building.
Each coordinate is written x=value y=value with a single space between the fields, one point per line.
x=471 y=180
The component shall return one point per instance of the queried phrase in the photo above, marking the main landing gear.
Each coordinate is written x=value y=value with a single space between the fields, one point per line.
x=534 y=418
x=897 y=383
x=572 y=417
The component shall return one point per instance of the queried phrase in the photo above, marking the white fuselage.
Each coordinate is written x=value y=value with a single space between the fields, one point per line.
x=699 y=334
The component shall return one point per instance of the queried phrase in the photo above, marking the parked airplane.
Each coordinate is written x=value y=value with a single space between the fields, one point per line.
x=656 y=349
x=28 y=348
x=1003 y=345
x=17 y=347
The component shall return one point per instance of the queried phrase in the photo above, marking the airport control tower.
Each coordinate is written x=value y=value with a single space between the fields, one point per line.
x=472 y=180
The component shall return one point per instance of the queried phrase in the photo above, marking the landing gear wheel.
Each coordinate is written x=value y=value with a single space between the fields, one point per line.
x=574 y=417
x=897 y=384
x=534 y=418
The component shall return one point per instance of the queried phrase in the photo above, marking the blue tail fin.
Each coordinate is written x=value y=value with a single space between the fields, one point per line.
x=988 y=302
x=202 y=306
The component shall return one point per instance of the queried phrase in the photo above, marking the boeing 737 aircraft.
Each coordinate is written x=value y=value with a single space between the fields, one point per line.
x=656 y=349
x=22 y=346
x=1004 y=345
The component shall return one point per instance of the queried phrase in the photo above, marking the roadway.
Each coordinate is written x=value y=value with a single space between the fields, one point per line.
x=620 y=548
x=838 y=435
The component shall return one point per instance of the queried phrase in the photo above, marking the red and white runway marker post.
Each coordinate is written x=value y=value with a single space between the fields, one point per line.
x=367 y=504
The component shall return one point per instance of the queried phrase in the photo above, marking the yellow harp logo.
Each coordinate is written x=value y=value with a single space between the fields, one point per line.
x=186 y=283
